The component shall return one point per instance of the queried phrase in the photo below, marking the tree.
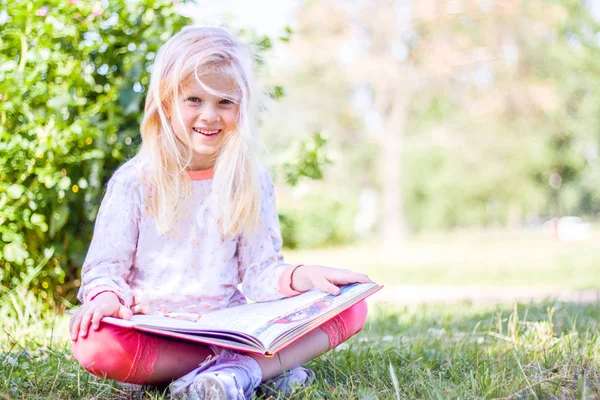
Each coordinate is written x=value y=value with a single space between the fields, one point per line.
x=386 y=66
x=490 y=104
x=502 y=109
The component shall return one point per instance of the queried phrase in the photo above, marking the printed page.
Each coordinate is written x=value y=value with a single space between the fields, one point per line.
x=245 y=318
x=249 y=318
x=154 y=321
x=266 y=321
x=276 y=328
x=263 y=321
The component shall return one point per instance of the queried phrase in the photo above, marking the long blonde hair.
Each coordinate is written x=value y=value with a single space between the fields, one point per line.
x=191 y=54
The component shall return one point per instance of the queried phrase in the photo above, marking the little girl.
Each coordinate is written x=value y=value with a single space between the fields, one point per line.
x=186 y=221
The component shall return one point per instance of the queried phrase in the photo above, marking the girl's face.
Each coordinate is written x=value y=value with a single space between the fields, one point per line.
x=205 y=119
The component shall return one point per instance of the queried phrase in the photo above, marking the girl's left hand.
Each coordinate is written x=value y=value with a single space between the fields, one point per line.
x=306 y=277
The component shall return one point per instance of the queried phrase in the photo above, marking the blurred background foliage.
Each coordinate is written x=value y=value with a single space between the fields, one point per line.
x=442 y=115
x=489 y=108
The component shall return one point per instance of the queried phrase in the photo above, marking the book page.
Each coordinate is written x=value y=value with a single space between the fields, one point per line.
x=264 y=321
x=297 y=320
x=246 y=318
x=269 y=320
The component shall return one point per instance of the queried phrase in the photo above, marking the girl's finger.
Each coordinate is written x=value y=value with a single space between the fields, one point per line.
x=74 y=325
x=96 y=317
x=327 y=286
x=85 y=322
x=76 y=321
x=124 y=313
x=345 y=277
x=71 y=322
x=362 y=278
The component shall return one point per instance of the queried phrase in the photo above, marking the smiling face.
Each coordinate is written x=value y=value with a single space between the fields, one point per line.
x=205 y=118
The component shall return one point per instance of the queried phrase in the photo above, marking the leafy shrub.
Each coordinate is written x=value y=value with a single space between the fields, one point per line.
x=445 y=190
x=72 y=81
x=317 y=220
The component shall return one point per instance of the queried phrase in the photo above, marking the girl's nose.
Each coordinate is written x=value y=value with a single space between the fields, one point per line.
x=208 y=113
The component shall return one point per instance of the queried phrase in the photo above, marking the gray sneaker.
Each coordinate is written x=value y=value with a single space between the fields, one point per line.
x=283 y=384
x=227 y=376
x=134 y=391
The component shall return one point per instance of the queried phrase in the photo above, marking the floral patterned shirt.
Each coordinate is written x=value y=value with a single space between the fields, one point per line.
x=185 y=275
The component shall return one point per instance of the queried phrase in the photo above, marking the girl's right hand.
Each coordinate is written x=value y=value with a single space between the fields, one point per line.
x=104 y=304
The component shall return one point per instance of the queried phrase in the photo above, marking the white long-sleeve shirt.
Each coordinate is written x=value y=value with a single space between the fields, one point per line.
x=191 y=273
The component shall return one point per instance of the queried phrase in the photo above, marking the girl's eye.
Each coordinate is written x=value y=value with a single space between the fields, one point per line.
x=193 y=99
x=226 y=102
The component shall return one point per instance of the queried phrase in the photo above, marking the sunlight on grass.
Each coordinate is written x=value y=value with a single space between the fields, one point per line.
x=523 y=258
x=463 y=350
x=537 y=350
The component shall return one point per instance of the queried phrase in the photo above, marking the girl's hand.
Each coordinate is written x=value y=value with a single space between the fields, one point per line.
x=306 y=277
x=105 y=304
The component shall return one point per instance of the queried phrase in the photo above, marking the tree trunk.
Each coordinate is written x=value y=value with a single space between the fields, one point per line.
x=393 y=223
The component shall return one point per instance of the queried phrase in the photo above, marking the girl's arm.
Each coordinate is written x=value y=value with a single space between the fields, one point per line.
x=110 y=256
x=264 y=275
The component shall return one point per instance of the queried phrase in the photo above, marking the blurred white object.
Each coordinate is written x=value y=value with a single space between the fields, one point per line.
x=366 y=218
x=569 y=229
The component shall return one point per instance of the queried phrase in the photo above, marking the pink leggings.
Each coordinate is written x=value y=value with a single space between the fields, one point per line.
x=129 y=356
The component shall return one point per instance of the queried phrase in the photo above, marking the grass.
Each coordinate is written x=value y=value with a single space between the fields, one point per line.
x=544 y=350
x=492 y=258
x=463 y=351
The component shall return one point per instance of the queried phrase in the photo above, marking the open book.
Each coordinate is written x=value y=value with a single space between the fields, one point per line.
x=262 y=328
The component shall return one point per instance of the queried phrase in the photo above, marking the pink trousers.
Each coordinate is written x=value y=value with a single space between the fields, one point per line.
x=129 y=356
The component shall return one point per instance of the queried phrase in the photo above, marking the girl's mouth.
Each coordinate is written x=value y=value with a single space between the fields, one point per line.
x=207 y=132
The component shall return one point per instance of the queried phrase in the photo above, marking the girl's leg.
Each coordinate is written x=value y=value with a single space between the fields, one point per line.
x=305 y=349
x=129 y=356
x=326 y=337
x=233 y=374
x=177 y=358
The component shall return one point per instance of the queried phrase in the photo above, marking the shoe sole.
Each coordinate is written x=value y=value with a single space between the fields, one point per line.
x=209 y=388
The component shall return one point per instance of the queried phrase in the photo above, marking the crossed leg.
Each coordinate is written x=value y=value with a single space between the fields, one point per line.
x=129 y=356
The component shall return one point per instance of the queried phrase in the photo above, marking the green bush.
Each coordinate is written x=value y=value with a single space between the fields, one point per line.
x=72 y=81
x=317 y=220
x=445 y=190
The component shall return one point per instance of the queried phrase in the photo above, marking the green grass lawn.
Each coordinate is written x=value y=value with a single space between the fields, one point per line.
x=462 y=351
x=496 y=258
x=542 y=350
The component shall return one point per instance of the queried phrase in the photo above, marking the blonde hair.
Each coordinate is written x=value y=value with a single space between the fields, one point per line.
x=191 y=54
